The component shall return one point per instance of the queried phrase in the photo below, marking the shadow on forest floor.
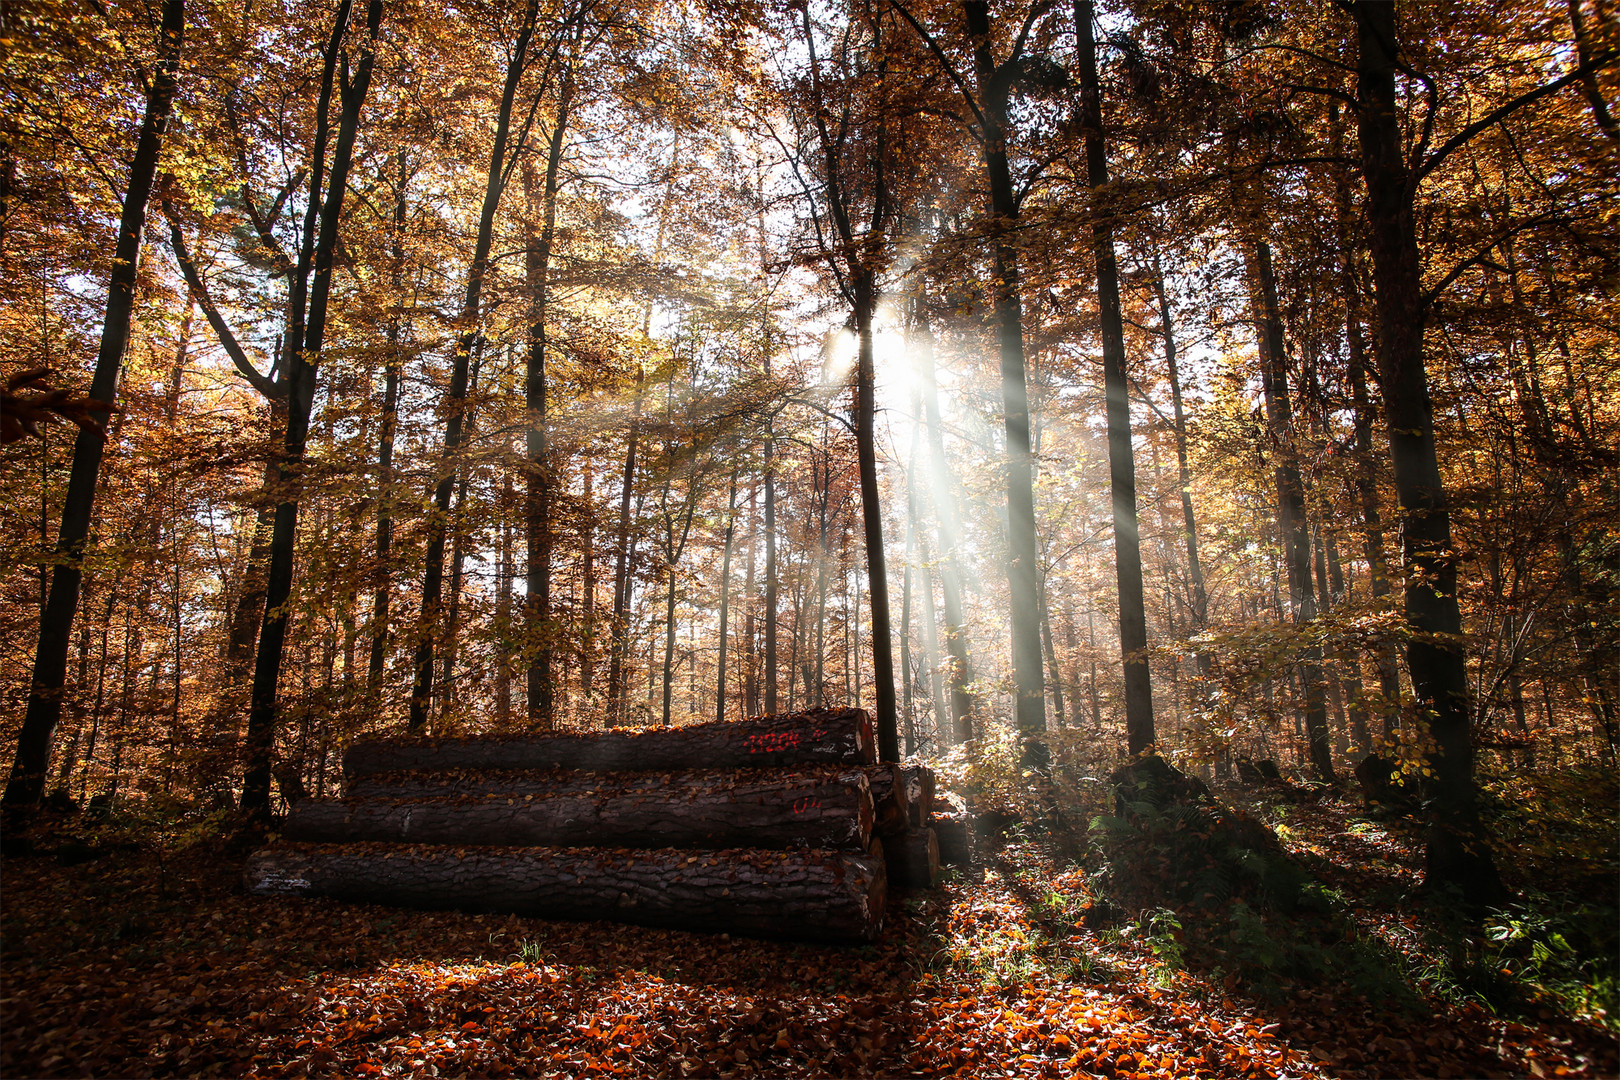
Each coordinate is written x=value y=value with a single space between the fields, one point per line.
x=136 y=963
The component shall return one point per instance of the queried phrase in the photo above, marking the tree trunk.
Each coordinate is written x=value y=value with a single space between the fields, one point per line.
x=621 y=570
x=1458 y=853
x=725 y=600
x=539 y=628
x=1139 y=732
x=816 y=895
x=770 y=566
x=1292 y=522
x=1054 y=673
x=820 y=736
x=750 y=657
x=26 y=785
x=302 y=367
x=764 y=809
x=1195 y=570
x=1023 y=571
x=907 y=700
x=963 y=703
x=877 y=573
x=669 y=639
x=456 y=399
x=388 y=428
x=587 y=578
x=931 y=654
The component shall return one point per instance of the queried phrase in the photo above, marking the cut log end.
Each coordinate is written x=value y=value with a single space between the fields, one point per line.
x=954 y=835
x=912 y=859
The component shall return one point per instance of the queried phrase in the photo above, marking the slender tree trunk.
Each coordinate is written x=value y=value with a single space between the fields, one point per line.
x=930 y=621
x=385 y=452
x=1071 y=641
x=617 y=679
x=302 y=367
x=770 y=567
x=907 y=700
x=823 y=484
x=452 y=630
x=750 y=655
x=963 y=704
x=27 y=782
x=1139 y=732
x=503 y=606
x=1292 y=522
x=877 y=573
x=539 y=623
x=1023 y=571
x=587 y=547
x=1195 y=570
x=669 y=640
x=101 y=688
x=1054 y=673
x=931 y=650
x=1096 y=701
x=725 y=601
x=456 y=400
x=1458 y=853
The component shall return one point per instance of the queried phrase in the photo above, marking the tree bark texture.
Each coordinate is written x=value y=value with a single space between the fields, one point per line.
x=805 y=894
x=696 y=810
x=816 y=737
x=27 y=783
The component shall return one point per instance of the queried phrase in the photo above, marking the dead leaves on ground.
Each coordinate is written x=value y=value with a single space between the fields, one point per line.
x=106 y=973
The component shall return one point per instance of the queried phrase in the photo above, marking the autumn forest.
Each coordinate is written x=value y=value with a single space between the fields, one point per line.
x=1191 y=431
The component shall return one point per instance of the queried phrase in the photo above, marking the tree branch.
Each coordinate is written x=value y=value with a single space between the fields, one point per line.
x=1497 y=115
x=199 y=291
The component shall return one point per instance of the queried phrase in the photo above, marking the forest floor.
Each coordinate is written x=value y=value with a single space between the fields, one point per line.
x=152 y=962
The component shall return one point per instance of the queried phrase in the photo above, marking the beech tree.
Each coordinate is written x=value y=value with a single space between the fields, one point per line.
x=26 y=785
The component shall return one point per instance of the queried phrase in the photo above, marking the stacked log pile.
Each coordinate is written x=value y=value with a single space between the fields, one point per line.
x=781 y=826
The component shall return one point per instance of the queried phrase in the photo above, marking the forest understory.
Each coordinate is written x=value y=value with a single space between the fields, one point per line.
x=129 y=949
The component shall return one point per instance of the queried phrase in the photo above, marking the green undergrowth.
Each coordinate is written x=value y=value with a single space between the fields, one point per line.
x=1212 y=888
x=1557 y=943
x=1215 y=888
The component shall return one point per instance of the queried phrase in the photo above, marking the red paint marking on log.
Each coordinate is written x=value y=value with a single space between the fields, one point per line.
x=774 y=741
x=806 y=804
